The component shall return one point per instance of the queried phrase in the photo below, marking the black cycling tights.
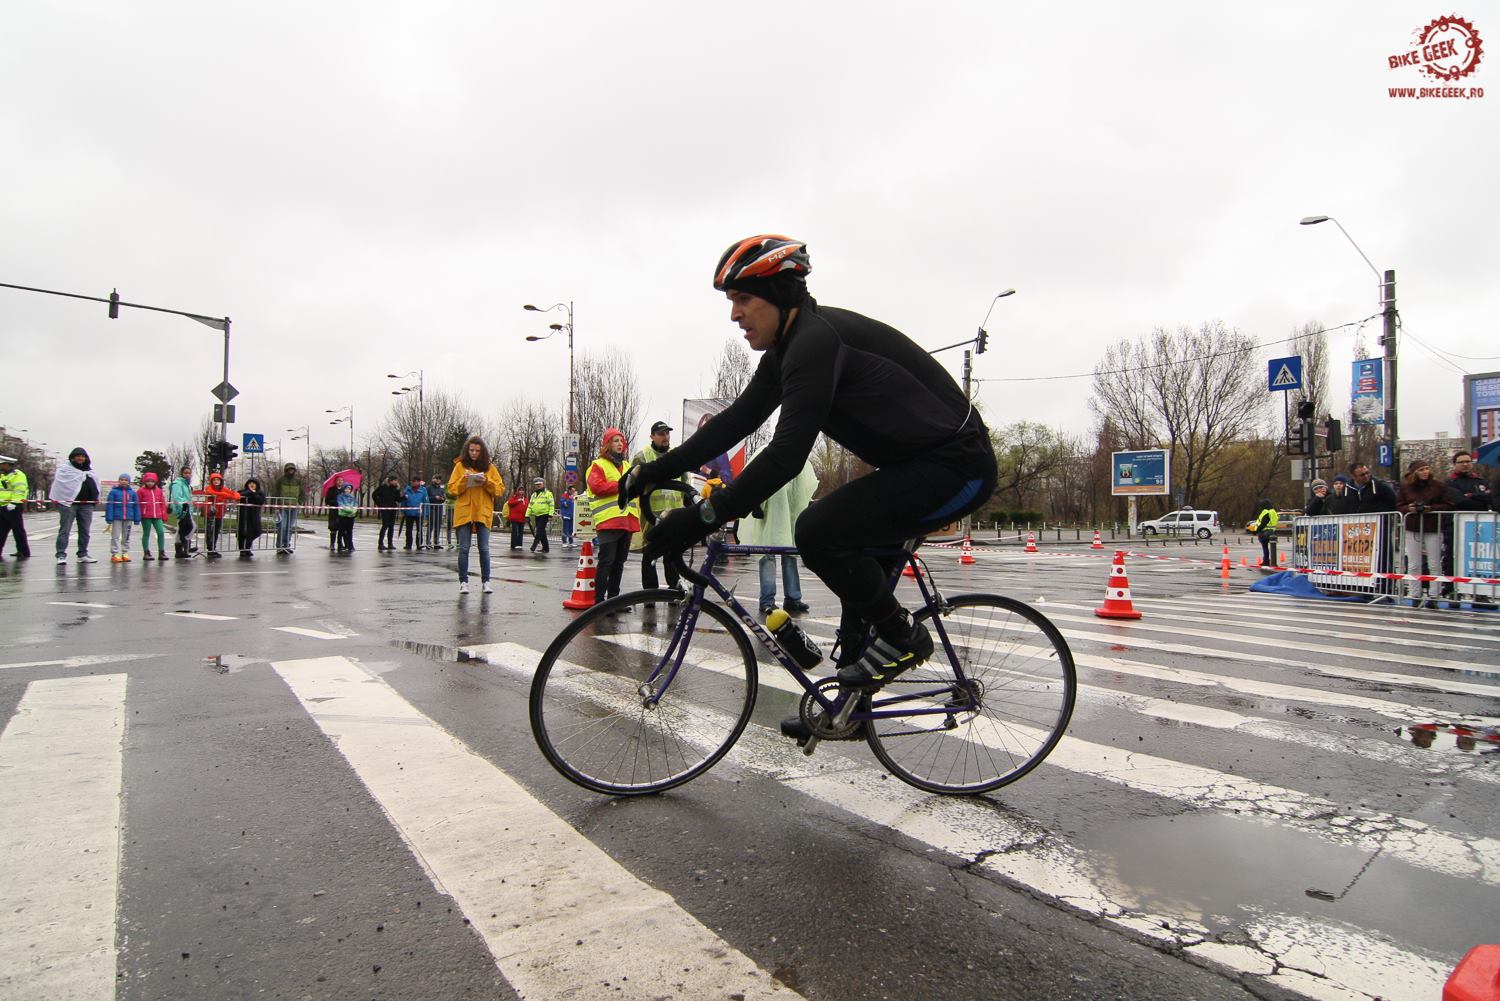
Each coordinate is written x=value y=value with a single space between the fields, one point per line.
x=886 y=508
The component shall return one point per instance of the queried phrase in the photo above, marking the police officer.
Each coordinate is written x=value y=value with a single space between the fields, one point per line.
x=13 y=491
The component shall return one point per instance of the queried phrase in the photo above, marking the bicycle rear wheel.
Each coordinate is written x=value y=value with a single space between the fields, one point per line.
x=592 y=711
x=1010 y=694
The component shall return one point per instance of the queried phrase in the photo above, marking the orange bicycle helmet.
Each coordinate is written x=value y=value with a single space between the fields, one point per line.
x=764 y=256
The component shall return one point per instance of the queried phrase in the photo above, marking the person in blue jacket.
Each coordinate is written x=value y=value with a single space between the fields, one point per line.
x=412 y=499
x=122 y=509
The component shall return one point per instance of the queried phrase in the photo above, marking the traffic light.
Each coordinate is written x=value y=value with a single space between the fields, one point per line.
x=982 y=341
x=231 y=451
x=1335 y=435
x=114 y=305
x=1305 y=410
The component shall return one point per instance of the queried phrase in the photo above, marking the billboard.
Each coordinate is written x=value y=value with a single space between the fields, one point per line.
x=1145 y=472
x=1482 y=416
x=1367 y=392
x=727 y=465
x=1477 y=552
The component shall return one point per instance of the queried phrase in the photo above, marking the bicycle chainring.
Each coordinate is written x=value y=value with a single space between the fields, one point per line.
x=813 y=716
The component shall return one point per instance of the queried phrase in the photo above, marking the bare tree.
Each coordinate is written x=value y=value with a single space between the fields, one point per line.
x=733 y=371
x=1194 y=392
x=1026 y=454
x=532 y=442
x=420 y=436
x=606 y=393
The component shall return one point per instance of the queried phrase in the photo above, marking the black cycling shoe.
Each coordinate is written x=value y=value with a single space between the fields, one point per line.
x=883 y=660
x=793 y=727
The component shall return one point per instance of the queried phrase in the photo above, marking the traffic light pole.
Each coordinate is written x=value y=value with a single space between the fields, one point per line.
x=1388 y=341
x=114 y=303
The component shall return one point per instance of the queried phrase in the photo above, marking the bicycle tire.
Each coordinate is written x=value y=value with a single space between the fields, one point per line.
x=593 y=725
x=1023 y=671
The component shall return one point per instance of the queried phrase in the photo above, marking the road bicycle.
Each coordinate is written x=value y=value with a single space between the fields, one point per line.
x=649 y=690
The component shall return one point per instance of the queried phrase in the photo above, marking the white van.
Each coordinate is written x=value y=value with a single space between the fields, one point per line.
x=1203 y=524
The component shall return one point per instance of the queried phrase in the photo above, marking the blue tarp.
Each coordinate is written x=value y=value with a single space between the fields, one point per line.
x=1297 y=586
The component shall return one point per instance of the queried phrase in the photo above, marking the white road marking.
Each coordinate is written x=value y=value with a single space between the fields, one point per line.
x=310 y=633
x=81 y=604
x=202 y=615
x=84 y=661
x=61 y=756
x=241 y=573
x=1319 y=960
x=562 y=909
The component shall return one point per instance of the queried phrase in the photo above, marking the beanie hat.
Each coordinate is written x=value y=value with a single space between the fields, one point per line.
x=1343 y=478
x=1319 y=483
x=785 y=289
x=124 y=478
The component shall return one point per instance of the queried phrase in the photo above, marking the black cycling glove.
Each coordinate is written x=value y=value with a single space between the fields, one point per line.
x=679 y=530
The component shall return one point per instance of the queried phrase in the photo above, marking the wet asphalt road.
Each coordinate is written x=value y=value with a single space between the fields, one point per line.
x=1229 y=753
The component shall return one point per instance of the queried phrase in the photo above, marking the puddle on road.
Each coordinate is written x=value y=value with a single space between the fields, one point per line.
x=1453 y=739
x=230 y=663
x=1220 y=871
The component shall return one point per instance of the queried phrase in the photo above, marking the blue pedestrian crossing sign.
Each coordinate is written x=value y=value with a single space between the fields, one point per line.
x=1284 y=374
x=255 y=444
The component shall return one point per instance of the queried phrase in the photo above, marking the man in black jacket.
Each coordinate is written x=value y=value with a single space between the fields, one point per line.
x=873 y=390
x=387 y=498
x=1368 y=494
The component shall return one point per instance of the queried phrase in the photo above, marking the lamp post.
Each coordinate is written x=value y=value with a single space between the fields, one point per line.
x=306 y=436
x=980 y=342
x=555 y=327
x=1387 y=287
x=420 y=387
x=348 y=416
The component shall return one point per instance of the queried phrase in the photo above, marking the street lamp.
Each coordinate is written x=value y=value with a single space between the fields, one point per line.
x=1387 y=300
x=306 y=436
x=572 y=417
x=349 y=418
x=420 y=387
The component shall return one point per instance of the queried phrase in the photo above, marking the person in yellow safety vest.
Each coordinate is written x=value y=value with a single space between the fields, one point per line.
x=612 y=526
x=539 y=509
x=13 y=491
x=1265 y=524
x=662 y=501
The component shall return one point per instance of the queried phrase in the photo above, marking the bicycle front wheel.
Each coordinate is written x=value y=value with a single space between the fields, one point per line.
x=609 y=711
x=1009 y=697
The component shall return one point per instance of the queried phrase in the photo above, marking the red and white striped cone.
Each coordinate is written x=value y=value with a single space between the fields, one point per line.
x=583 y=581
x=1117 y=603
x=1098 y=542
x=1224 y=566
x=1031 y=543
x=967 y=558
x=910 y=569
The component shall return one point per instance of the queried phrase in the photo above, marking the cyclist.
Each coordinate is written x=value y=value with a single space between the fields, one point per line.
x=871 y=389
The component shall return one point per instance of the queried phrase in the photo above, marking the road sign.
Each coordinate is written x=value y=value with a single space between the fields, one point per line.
x=1284 y=374
x=1383 y=454
x=570 y=442
x=254 y=444
x=224 y=392
x=570 y=477
x=223 y=413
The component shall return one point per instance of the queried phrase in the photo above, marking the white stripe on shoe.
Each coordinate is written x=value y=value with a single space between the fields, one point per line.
x=61 y=755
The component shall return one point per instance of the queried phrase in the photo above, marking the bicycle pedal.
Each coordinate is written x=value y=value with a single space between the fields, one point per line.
x=809 y=745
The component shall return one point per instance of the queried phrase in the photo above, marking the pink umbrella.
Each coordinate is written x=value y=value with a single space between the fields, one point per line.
x=349 y=476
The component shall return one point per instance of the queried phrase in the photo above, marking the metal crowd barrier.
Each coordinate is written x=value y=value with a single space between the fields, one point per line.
x=1376 y=555
x=222 y=534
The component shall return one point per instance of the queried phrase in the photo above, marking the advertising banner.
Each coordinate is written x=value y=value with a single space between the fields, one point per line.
x=1476 y=538
x=1482 y=416
x=1367 y=391
x=1146 y=472
x=727 y=465
x=1348 y=543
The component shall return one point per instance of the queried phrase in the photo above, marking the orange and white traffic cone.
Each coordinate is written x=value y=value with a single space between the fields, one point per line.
x=1098 y=542
x=583 y=581
x=1243 y=562
x=967 y=559
x=1224 y=565
x=910 y=570
x=1031 y=542
x=1117 y=593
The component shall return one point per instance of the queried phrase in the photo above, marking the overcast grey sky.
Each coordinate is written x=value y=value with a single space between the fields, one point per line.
x=376 y=187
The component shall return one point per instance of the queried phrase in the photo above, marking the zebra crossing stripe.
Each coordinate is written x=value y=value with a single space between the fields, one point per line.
x=1321 y=960
x=553 y=908
x=61 y=755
